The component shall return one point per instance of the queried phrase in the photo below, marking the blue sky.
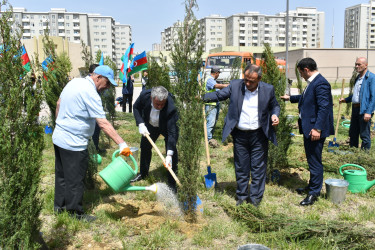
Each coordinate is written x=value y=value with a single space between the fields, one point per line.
x=149 y=17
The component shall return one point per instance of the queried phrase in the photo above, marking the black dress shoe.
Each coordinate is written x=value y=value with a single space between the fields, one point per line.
x=240 y=202
x=309 y=200
x=302 y=190
x=137 y=178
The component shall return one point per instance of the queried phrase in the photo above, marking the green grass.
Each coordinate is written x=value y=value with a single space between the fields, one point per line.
x=215 y=227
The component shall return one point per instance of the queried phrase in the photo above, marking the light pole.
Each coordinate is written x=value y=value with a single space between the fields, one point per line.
x=287 y=47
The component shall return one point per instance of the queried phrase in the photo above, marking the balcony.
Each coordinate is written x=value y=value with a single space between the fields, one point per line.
x=76 y=34
x=61 y=34
x=242 y=28
x=61 y=20
x=26 y=34
x=76 y=20
x=26 y=27
x=61 y=27
x=25 y=19
x=255 y=22
x=242 y=21
x=242 y=41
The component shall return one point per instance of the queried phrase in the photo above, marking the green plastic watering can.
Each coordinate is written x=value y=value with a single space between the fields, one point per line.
x=118 y=175
x=357 y=179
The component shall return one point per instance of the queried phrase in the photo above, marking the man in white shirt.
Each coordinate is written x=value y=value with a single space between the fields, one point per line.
x=78 y=109
x=156 y=114
x=252 y=113
x=363 y=105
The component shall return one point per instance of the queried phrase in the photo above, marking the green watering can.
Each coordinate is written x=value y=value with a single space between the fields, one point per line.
x=118 y=175
x=357 y=179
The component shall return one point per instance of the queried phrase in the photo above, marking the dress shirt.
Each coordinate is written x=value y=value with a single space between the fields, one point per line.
x=249 y=113
x=356 y=90
x=154 y=116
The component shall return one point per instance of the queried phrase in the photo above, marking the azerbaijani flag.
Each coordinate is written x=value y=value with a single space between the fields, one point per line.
x=139 y=63
x=125 y=62
x=45 y=65
x=25 y=59
x=101 y=62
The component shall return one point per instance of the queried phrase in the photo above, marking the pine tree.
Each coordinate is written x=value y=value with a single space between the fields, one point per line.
x=186 y=60
x=299 y=80
x=57 y=75
x=21 y=144
x=86 y=57
x=277 y=155
x=158 y=73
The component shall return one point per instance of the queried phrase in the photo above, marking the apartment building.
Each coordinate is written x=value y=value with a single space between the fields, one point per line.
x=95 y=30
x=213 y=29
x=123 y=38
x=252 y=29
x=357 y=25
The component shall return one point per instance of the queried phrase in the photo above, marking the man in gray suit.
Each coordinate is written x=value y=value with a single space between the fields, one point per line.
x=253 y=111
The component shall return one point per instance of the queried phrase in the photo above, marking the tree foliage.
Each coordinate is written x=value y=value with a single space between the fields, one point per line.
x=57 y=75
x=186 y=61
x=158 y=73
x=299 y=80
x=21 y=144
x=277 y=157
x=86 y=57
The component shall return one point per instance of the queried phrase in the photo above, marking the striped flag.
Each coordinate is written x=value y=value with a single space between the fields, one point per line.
x=125 y=62
x=139 y=63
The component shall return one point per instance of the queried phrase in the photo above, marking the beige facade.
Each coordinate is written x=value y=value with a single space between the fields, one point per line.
x=73 y=50
x=252 y=29
x=333 y=64
x=95 y=30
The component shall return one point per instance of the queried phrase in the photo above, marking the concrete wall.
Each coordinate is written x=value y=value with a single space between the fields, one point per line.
x=333 y=64
x=35 y=46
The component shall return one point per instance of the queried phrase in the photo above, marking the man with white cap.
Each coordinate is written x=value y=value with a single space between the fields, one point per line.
x=78 y=109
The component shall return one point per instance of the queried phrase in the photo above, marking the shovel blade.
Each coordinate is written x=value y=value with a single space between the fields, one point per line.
x=210 y=180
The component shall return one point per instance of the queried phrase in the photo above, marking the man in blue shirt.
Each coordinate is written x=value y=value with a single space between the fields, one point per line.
x=363 y=105
x=212 y=109
x=78 y=109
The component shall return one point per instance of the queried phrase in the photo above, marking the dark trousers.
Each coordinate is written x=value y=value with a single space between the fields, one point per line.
x=359 y=128
x=95 y=136
x=250 y=156
x=313 y=150
x=146 y=154
x=127 y=98
x=70 y=170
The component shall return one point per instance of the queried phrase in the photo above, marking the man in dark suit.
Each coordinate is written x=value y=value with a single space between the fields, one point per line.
x=155 y=113
x=315 y=123
x=253 y=110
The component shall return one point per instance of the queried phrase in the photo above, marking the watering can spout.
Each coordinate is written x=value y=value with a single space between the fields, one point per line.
x=128 y=188
x=369 y=184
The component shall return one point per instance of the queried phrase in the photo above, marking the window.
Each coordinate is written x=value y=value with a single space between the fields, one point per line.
x=95 y=19
x=96 y=40
x=213 y=38
x=103 y=26
x=104 y=40
x=104 y=46
x=67 y=24
x=96 y=26
x=219 y=39
x=212 y=21
x=104 y=33
x=67 y=31
x=212 y=27
x=96 y=33
x=103 y=20
x=212 y=33
x=67 y=17
x=219 y=33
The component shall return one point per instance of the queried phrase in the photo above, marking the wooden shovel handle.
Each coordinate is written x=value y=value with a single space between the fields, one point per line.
x=163 y=159
x=338 y=115
x=205 y=137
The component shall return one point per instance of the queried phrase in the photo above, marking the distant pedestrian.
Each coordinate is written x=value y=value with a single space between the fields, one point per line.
x=144 y=80
x=127 y=94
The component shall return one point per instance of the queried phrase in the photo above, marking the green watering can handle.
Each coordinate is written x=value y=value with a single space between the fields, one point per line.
x=131 y=157
x=353 y=165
